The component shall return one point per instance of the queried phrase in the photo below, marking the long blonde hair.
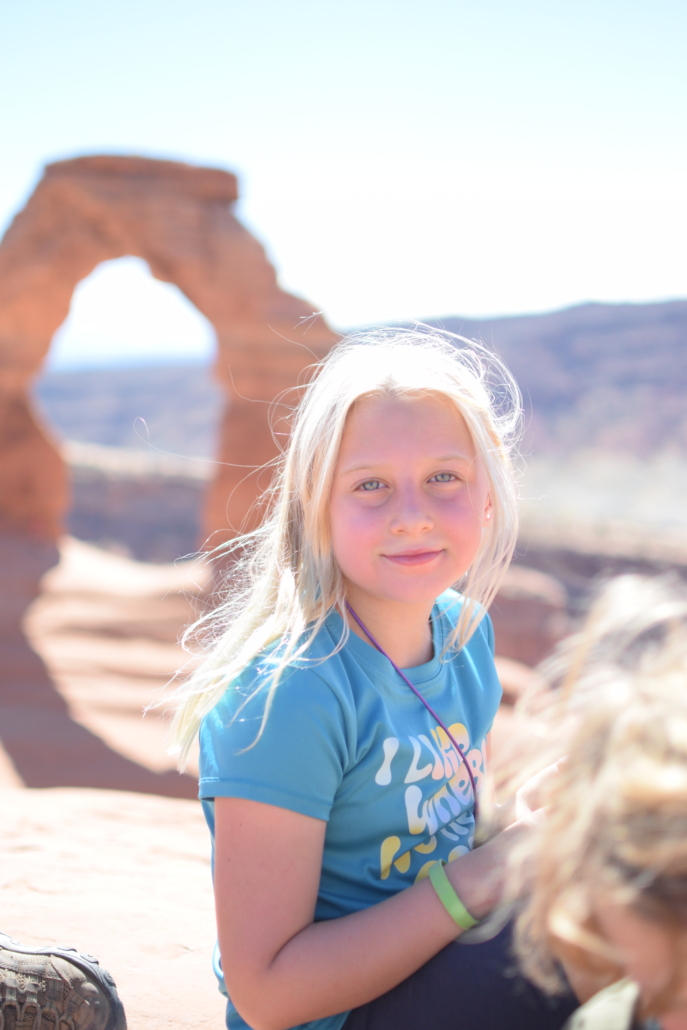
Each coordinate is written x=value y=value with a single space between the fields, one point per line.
x=616 y=822
x=284 y=580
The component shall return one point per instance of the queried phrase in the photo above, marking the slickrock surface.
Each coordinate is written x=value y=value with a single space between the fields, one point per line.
x=125 y=877
x=106 y=629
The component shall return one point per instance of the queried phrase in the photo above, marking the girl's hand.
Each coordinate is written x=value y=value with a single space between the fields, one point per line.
x=528 y=799
x=281 y=968
x=479 y=878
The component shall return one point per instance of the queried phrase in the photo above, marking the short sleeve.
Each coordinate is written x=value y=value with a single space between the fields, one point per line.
x=298 y=758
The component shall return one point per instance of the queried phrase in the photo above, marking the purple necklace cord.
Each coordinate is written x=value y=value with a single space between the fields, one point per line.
x=424 y=702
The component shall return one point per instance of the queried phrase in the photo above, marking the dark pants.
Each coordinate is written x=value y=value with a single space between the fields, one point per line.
x=465 y=987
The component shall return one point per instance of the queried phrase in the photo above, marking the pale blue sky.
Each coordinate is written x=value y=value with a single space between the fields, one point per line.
x=398 y=159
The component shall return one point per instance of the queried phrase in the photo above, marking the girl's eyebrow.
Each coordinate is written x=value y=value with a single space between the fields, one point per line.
x=380 y=464
x=456 y=457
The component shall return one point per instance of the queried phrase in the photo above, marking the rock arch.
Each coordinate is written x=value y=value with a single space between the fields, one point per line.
x=179 y=219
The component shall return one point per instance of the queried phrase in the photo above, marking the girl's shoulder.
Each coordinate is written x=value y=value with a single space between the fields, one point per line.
x=287 y=743
x=449 y=606
x=314 y=677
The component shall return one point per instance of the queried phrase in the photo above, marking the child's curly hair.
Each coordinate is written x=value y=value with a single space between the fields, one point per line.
x=616 y=824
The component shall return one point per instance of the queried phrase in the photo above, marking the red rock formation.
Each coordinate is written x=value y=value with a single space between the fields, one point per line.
x=179 y=219
x=530 y=615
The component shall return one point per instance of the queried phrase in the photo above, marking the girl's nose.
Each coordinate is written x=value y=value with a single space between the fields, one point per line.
x=410 y=515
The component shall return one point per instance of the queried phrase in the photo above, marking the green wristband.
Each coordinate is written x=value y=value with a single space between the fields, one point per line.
x=448 y=897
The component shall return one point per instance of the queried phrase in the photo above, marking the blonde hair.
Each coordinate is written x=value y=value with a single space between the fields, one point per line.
x=616 y=824
x=284 y=581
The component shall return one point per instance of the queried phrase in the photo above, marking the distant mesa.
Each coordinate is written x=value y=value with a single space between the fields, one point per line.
x=608 y=376
x=605 y=451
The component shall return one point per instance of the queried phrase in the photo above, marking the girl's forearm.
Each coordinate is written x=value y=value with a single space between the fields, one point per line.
x=336 y=965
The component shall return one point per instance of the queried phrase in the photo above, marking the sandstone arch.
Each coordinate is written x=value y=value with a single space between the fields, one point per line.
x=179 y=219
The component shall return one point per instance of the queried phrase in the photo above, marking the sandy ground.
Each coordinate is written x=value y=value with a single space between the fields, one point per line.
x=108 y=628
x=125 y=877
x=122 y=875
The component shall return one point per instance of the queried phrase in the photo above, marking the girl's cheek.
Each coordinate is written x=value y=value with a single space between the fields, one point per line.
x=464 y=523
x=355 y=533
x=364 y=537
x=470 y=503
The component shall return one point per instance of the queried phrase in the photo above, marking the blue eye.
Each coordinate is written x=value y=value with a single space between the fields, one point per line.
x=442 y=477
x=369 y=485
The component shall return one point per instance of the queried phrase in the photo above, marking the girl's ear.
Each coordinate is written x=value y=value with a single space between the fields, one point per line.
x=488 y=511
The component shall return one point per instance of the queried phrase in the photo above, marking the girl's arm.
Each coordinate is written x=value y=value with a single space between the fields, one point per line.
x=281 y=969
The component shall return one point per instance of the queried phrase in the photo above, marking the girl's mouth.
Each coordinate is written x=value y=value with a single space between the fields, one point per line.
x=413 y=557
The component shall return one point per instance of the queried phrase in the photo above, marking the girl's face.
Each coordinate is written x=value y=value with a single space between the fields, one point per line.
x=410 y=499
x=648 y=954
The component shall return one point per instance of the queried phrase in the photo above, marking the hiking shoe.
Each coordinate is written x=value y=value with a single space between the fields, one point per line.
x=55 y=989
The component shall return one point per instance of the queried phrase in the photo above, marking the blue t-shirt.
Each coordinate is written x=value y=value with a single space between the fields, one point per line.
x=347 y=741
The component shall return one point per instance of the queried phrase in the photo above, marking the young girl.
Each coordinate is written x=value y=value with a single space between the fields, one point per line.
x=609 y=861
x=335 y=785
